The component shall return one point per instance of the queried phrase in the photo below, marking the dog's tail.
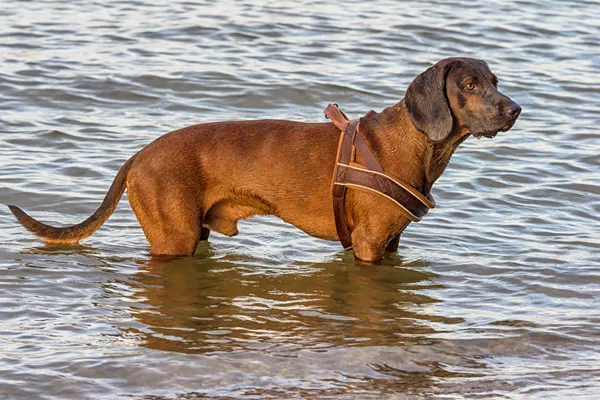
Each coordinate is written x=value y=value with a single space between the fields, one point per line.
x=73 y=234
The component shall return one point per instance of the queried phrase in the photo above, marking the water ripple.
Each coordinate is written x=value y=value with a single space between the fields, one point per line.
x=494 y=294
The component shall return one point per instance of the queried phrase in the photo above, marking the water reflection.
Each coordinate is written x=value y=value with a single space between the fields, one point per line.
x=201 y=305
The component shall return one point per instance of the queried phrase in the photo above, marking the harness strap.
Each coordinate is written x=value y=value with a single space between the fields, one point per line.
x=336 y=116
x=338 y=191
x=372 y=178
x=366 y=153
x=363 y=179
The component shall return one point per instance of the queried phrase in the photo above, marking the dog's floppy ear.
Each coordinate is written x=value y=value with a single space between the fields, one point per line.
x=427 y=103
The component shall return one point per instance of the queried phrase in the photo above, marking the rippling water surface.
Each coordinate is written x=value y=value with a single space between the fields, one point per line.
x=495 y=294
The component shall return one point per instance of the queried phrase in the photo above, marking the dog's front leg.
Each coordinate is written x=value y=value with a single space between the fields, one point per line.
x=368 y=245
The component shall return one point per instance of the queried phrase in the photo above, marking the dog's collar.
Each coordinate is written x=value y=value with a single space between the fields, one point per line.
x=372 y=178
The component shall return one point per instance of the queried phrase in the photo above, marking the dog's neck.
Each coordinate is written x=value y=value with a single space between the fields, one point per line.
x=405 y=152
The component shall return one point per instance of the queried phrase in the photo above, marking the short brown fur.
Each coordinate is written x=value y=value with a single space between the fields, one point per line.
x=209 y=176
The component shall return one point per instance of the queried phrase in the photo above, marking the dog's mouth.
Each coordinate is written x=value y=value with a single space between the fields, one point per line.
x=492 y=134
x=489 y=135
x=508 y=126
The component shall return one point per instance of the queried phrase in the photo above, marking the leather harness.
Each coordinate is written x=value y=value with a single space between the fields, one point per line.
x=372 y=178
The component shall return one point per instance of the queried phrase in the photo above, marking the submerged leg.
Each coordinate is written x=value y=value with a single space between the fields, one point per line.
x=367 y=246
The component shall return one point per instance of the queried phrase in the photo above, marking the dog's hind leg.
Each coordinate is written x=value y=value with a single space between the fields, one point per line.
x=171 y=218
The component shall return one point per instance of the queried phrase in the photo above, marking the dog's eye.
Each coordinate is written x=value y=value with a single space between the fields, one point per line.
x=470 y=86
x=495 y=82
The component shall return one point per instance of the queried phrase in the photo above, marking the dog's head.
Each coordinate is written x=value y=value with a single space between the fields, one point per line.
x=459 y=94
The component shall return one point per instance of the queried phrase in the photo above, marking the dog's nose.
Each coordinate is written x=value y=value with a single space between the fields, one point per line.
x=513 y=109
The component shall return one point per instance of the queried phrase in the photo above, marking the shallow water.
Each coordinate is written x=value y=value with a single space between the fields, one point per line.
x=494 y=295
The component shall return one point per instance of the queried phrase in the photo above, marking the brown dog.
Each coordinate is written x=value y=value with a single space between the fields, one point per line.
x=209 y=176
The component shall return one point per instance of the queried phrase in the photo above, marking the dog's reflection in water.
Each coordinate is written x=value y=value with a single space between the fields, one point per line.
x=200 y=305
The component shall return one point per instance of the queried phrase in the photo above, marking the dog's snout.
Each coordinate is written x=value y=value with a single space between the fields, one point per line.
x=513 y=109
